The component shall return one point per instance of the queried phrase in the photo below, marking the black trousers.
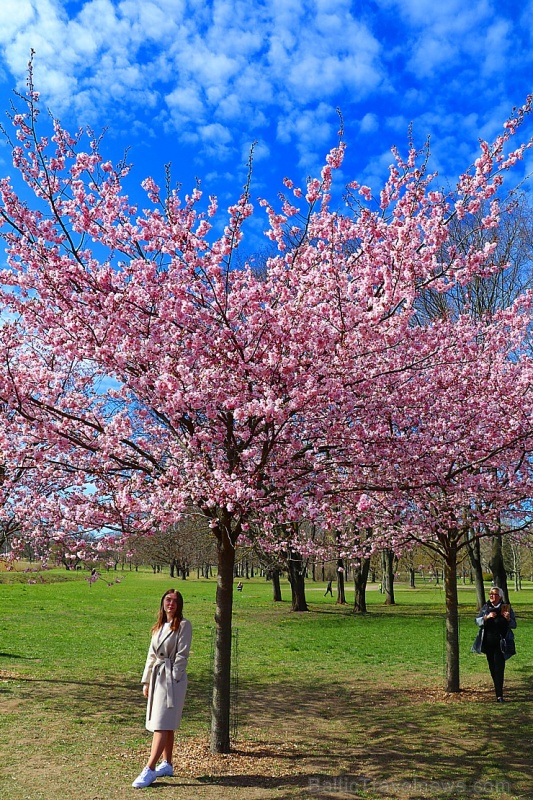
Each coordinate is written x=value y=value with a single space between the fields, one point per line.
x=496 y=662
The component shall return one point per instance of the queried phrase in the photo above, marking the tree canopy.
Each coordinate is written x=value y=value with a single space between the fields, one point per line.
x=142 y=371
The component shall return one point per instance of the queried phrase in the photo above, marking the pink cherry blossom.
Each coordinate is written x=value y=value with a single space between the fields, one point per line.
x=142 y=372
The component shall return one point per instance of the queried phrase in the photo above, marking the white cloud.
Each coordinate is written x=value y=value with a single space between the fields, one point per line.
x=447 y=34
x=498 y=42
x=222 y=61
x=430 y=54
x=220 y=72
x=261 y=151
x=429 y=13
x=216 y=139
x=369 y=123
x=215 y=133
x=334 y=53
x=14 y=15
x=312 y=131
x=186 y=102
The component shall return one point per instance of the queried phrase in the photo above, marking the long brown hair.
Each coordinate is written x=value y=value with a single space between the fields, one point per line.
x=162 y=614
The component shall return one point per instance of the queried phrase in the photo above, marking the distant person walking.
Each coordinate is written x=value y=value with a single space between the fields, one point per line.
x=165 y=684
x=495 y=638
x=329 y=589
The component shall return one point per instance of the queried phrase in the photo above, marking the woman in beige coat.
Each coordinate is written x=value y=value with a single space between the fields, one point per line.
x=165 y=684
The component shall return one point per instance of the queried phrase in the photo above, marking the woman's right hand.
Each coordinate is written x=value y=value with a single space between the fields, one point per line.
x=145 y=689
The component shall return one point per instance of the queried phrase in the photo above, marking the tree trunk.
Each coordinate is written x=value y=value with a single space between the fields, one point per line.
x=341 y=596
x=452 y=618
x=387 y=561
x=412 y=574
x=497 y=566
x=474 y=553
x=297 y=581
x=276 y=585
x=220 y=707
x=360 y=577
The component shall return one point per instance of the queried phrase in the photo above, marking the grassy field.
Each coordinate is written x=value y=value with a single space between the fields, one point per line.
x=330 y=705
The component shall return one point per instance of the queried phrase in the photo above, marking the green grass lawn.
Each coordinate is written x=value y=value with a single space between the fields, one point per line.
x=330 y=704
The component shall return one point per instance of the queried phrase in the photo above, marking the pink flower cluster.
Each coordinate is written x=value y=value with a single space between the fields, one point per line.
x=142 y=373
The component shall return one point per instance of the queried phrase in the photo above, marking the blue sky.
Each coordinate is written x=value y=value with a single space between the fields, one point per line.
x=194 y=82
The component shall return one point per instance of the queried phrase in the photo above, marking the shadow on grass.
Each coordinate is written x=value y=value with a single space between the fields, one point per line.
x=106 y=700
x=382 y=736
x=256 y=781
x=328 y=737
x=103 y=701
x=16 y=655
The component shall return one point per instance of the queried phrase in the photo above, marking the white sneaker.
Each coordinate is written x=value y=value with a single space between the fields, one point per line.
x=146 y=778
x=163 y=770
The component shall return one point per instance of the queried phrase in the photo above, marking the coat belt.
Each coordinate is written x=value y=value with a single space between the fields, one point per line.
x=166 y=665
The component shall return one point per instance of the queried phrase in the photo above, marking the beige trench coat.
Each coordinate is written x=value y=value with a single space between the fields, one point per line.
x=166 y=676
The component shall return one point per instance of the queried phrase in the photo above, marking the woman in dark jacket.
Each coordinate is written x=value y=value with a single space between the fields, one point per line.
x=495 y=623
